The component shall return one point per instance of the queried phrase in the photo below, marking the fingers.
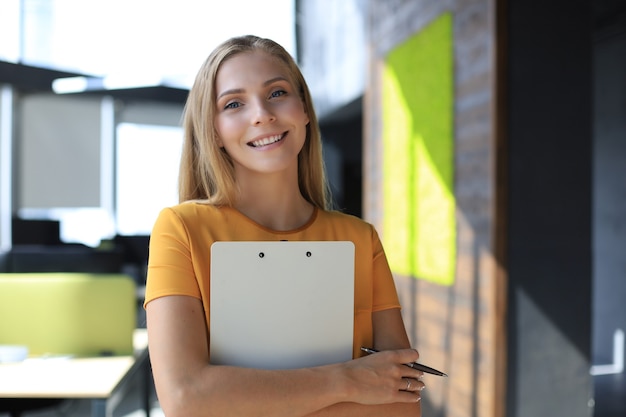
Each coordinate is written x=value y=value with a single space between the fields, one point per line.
x=408 y=384
x=412 y=384
x=398 y=359
x=402 y=360
x=405 y=355
x=411 y=381
x=411 y=389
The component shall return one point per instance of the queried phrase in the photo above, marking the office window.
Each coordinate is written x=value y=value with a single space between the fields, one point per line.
x=127 y=39
x=10 y=30
x=146 y=177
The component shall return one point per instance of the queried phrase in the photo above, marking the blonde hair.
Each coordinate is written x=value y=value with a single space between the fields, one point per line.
x=206 y=171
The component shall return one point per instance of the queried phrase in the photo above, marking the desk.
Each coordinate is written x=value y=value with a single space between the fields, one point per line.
x=104 y=380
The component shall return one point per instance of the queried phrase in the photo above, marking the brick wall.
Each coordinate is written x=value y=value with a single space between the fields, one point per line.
x=458 y=328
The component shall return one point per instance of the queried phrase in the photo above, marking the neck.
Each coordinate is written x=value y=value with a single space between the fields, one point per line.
x=274 y=201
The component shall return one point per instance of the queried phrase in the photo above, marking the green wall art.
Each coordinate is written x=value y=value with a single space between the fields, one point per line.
x=419 y=223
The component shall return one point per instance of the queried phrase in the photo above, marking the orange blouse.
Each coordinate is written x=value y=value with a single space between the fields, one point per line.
x=180 y=247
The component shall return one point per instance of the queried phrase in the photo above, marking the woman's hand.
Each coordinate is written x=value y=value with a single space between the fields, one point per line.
x=384 y=378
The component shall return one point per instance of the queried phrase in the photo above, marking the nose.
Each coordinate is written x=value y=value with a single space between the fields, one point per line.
x=262 y=114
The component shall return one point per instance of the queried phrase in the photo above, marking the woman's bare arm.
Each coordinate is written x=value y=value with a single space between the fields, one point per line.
x=389 y=334
x=187 y=385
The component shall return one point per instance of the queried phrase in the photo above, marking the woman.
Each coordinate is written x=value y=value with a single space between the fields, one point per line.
x=252 y=169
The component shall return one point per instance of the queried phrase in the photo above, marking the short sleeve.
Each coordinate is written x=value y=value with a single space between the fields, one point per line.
x=170 y=266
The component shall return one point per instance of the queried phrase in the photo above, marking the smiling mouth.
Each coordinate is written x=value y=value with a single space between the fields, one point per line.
x=267 y=141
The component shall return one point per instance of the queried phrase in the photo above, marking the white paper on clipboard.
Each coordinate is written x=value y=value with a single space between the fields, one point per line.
x=281 y=304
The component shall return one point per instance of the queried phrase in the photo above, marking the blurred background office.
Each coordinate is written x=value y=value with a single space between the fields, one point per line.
x=485 y=139
x=118 y=45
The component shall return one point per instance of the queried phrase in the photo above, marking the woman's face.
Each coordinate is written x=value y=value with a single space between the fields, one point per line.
x=260 y=118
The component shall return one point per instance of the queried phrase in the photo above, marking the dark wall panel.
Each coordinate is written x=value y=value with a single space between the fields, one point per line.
x=549 y=246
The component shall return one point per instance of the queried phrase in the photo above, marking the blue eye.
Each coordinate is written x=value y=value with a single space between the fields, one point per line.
x=232 y=105
x=277 y=93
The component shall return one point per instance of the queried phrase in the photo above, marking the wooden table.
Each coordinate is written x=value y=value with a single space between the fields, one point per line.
x=103 y=380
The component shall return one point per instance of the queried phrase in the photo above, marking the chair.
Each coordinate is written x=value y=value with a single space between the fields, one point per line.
x=65 y=313
x=68 y=313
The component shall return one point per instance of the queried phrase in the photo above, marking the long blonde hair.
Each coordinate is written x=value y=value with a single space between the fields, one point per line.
x=206 y=171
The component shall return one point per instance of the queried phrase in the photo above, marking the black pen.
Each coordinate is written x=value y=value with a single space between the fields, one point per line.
x=413 y=365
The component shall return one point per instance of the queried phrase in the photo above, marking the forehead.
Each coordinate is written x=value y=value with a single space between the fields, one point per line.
x=249 y=68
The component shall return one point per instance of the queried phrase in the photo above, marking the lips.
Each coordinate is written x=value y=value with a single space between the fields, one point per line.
x=268 y=140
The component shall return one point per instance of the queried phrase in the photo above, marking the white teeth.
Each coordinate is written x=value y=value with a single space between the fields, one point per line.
x=266 y=141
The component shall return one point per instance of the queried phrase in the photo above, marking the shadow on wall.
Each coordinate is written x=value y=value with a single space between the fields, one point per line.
x=444 y=325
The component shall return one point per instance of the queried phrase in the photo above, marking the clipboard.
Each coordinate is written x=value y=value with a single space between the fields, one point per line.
x=281 y=304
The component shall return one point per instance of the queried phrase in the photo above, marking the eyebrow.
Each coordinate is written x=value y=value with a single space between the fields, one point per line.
x=241 y=90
